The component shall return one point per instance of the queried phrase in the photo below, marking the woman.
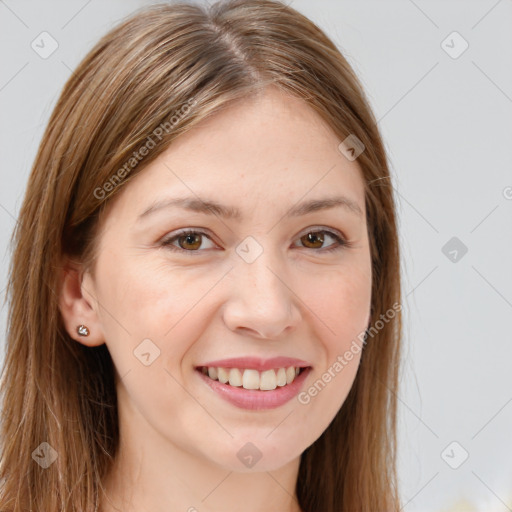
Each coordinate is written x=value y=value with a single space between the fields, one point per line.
x=205 y=289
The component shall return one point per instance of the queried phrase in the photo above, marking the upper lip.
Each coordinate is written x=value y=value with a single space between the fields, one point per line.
x=256 y=363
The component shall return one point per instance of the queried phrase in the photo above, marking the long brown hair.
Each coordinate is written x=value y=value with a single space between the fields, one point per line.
x=181 y=62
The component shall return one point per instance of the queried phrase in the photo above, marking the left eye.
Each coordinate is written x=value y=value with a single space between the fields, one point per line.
x=189 y=241
x=318 y=237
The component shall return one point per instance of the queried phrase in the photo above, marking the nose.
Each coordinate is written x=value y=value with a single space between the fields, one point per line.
x=262 y=300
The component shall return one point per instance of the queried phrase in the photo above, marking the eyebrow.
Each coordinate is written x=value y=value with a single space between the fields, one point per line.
x=210 y=207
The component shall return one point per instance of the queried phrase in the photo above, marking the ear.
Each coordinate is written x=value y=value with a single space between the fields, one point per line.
x=75 y=304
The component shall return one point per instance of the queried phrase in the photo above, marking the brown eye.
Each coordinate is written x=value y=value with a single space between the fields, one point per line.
x=313 y=240
x=189 y=241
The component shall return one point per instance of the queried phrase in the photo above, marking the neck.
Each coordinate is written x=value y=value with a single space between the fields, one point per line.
x=158 y=476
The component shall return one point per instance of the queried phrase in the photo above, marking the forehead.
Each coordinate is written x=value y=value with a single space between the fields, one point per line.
x=269 y=151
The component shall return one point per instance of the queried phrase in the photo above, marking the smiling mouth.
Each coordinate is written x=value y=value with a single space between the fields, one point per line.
x=251 y=379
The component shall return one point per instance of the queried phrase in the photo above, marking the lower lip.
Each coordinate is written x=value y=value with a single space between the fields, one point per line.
x=255 y=399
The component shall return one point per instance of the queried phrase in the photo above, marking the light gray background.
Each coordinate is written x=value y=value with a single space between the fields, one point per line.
x=447 y=124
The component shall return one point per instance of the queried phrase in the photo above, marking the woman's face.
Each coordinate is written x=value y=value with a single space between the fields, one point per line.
x=265 y=285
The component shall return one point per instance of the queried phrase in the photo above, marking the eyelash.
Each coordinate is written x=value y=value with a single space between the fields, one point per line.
x=341 y=243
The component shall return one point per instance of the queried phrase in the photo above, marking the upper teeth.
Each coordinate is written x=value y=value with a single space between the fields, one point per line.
x=253 y=379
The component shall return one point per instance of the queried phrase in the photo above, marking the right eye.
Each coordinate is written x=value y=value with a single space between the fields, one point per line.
x=189 y=241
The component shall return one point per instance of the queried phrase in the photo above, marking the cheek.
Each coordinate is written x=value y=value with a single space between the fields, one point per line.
x=150 y=320
x=157 y=303
x=340 y=302
x=149 y=298
x=341 y=309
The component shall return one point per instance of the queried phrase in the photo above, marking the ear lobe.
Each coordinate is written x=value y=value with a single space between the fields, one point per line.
x=75 y=308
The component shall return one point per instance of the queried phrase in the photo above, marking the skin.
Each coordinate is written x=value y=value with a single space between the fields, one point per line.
x=179 y=439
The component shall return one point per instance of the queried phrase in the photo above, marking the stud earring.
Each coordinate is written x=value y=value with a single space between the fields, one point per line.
x=82 y=330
